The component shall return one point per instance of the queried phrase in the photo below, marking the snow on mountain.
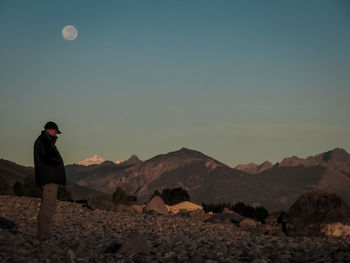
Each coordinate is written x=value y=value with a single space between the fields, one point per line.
x=96 y=159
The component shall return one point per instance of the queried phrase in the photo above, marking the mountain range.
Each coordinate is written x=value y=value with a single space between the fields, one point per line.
x=275 y=187
x=208 y=180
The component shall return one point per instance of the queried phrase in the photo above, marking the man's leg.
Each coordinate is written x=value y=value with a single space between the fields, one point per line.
x=47 y=210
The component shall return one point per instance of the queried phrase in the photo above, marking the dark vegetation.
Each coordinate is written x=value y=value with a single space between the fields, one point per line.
x=120 y=196
x=258 y=213
x=28 y=188
x=173 y=196
x=5 y=187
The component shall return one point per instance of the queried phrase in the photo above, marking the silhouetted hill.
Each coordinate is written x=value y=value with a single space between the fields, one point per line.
x=13 y=172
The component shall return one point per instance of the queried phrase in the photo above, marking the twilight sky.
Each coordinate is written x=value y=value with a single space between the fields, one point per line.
x=241 y=81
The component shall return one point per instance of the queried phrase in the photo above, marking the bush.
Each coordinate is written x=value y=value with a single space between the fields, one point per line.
x=5 y=188
x=29 y=187
x=121 y=197
x=173 y=196
x=63 y=194
x=216 y=208
x=261 y=213
x=18 y=188
x=258 y=213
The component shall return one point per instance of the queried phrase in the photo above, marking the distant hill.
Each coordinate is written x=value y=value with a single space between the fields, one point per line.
x=13 y=172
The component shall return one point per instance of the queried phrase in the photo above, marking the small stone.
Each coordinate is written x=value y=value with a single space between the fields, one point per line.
x=70 y=256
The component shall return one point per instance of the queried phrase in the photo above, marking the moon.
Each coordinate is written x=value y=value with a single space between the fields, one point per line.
x=69 y=32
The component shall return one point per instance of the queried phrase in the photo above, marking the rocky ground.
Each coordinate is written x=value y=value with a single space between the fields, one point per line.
x=83 y=235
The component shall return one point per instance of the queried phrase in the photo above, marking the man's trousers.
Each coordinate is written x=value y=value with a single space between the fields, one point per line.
x=47 y=210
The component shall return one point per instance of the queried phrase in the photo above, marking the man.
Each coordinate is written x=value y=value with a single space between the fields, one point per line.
x=49 y=173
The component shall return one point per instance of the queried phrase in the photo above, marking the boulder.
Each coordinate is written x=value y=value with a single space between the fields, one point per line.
x=183 y=207
x=137 y=208
x=156 y=206
x=317 y=214
x=335 y=229
x=248 y=222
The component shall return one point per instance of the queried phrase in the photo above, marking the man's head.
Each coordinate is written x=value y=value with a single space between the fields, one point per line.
x=52 y=128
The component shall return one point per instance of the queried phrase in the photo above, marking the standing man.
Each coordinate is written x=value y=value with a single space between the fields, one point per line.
x=49 y=173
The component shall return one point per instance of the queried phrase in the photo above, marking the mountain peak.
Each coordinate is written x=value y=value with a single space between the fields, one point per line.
x=264 y=166
x=132 y=160
x=248 y=168
x=253 y=168
x=336 y=153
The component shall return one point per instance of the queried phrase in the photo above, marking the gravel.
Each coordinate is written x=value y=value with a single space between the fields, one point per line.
x=83 y=235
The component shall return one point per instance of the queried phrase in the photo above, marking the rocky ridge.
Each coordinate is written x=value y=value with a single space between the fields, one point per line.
x=83 y=235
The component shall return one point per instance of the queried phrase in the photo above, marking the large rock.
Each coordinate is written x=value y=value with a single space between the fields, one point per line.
x=335 y=229
x=137 y=208
x=183 y=207
x=156 y=206
x=248 y=223
x=318 y=213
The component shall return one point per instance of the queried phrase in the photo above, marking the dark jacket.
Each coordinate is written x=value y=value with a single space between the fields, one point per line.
x=49 y=166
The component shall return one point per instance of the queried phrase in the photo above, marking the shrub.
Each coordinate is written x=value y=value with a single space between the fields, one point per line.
x=63 y=194
x=258 y=213
x=18 y=188
x=5 y=188
x=173 y=196
x=121 y=197
x=29 y=187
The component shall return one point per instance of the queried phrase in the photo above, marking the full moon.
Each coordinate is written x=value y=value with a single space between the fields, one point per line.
x=69 y=32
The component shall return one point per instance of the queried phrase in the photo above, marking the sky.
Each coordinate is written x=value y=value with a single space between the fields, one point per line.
x=240 y=81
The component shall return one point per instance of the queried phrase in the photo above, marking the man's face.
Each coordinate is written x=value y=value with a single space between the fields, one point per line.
x=52 y=132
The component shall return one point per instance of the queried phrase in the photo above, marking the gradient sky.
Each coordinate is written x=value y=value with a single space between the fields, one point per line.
x=241 y=81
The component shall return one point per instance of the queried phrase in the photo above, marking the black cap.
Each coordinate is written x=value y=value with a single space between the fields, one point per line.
x=52 y=125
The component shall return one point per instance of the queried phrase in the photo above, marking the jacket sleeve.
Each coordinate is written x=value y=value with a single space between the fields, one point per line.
x=45 y=155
